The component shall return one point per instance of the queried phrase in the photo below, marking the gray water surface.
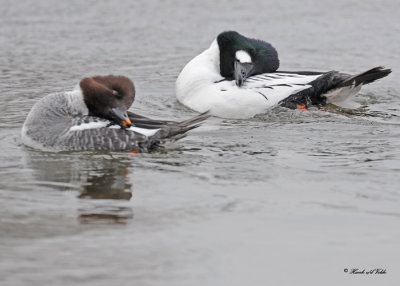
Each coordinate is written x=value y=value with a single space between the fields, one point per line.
x=286 y=198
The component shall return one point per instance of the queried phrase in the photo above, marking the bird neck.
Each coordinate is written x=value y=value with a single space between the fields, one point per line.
x=76 y=104
x=205 y=65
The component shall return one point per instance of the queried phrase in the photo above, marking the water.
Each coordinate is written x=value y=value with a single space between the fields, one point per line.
x=286 y=198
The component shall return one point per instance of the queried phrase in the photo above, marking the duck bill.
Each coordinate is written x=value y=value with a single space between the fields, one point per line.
x=242 y=71
x=120 y=116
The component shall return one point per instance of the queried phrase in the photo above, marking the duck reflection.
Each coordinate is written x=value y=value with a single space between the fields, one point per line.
x=101 y=179
x=108 y=184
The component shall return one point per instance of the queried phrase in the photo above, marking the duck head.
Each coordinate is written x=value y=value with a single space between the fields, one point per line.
x=241 y=57
x=109 y=97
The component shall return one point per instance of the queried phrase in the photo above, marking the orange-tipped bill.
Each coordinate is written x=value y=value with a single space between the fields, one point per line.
x=127 y=123
x=120 y=116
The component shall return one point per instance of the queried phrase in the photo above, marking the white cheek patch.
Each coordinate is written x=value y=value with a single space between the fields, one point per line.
x=243 y=56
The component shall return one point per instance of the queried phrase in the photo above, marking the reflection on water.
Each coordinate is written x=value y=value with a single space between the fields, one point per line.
x=101 y=179
x=108 y=184
x=105 y=214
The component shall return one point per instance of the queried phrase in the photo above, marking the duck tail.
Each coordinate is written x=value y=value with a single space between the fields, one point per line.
x=366 y=77
x=194 y=120
x=350 y=85
x=145 y=122
x=333 y=87
x=172 y=131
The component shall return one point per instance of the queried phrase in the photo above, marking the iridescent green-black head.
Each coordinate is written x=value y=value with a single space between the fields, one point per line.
x=241 y=57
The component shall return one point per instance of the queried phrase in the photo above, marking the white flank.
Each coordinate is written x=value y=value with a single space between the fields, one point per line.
x=146 y=132
x=344 y=96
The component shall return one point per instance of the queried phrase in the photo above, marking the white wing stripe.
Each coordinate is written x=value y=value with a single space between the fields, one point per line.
x=102 y=124
x=90 y=125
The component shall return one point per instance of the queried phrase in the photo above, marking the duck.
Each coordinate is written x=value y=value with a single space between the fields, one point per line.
x=237 y=77
x=94 y=116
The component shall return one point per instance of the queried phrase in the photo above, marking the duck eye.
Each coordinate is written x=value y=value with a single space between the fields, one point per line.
x=116 y=94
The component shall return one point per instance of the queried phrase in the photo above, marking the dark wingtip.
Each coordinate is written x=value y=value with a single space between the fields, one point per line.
x=386 y=71
x=368 y=76
x=196 y=119
x=379 y=72
x=380 y=69
x=190 y=124
x=173 y=130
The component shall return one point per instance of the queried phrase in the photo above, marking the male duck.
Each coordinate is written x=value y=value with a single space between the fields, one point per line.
x=94 y=116
x=237 y=77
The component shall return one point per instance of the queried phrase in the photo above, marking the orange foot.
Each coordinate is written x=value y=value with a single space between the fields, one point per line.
x=302 y=107
x=133 y=152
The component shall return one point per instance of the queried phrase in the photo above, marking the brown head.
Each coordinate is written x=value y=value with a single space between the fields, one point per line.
x=109 y=97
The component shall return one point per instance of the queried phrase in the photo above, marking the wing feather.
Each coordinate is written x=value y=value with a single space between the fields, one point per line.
x=93 y=133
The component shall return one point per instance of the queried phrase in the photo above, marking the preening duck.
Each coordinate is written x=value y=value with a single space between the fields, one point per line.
x=238 y=77
x=94 y=116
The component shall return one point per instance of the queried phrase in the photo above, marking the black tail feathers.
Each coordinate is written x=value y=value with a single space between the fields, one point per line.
x=366 y=77
x=169 y=130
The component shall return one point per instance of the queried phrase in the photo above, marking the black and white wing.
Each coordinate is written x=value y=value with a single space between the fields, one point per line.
x=277 y=88
x=93 y=133
x=312 y=88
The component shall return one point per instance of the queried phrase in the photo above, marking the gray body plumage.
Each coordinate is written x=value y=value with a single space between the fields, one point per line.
x=54 y=124
x=61 y=122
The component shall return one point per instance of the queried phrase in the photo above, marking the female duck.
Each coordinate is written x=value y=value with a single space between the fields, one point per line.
x=237 y=77
x=94 y=116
